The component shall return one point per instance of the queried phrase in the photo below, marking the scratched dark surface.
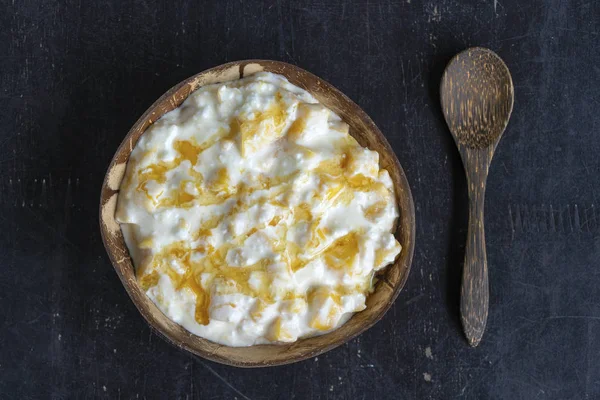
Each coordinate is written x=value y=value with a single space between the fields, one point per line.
x=75 y=75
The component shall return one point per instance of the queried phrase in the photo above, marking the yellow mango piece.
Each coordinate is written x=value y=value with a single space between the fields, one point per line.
x=342 y=252
x=149 y=280
x=279 y=333
x=327 y=303
x=382 y=254
x=374 y=211
x=263 y=128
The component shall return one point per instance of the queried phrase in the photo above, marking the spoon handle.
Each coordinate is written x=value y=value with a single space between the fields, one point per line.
x=474 y=296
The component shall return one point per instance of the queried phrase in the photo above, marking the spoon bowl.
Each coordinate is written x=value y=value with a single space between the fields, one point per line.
x=477 y=97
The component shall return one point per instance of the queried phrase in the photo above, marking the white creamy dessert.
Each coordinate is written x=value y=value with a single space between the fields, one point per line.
x=252 y=216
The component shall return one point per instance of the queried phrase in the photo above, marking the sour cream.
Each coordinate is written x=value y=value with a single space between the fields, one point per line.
x=252 y=216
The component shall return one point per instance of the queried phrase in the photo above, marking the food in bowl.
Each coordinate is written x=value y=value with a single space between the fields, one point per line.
x=252 y=216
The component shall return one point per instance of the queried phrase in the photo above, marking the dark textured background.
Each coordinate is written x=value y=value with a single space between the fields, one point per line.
x=75 y=75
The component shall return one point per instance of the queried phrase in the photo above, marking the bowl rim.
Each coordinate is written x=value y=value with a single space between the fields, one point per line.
x=408 y=210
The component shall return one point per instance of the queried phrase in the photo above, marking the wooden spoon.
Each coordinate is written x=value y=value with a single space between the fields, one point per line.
x=477 y=99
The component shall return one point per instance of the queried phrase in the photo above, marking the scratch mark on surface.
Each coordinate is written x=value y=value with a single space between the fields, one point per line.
x=565 y=220
x=587 y=372
x=414 y=299
x=589 y=219
x=225 y=381
x=576 y=219
x=528 y=285
x=512 y=225
x=281 y=35
x=434 y=14
x=584 y=317
x=552 y=221
x=368 y=30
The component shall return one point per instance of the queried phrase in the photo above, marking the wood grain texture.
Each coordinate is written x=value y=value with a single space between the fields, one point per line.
x=362 y=128
x=477 y=98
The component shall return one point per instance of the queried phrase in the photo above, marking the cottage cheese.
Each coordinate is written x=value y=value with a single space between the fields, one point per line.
x=252 y=216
